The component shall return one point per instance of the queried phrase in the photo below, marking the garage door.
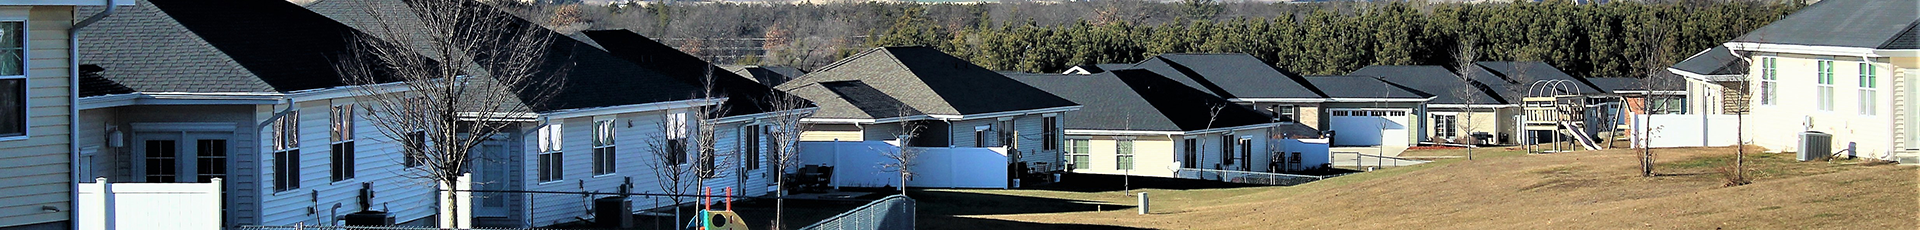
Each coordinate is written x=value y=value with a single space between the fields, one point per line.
x=1368 y=127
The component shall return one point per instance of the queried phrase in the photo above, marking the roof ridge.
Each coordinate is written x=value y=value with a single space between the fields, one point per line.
x=1909 y=32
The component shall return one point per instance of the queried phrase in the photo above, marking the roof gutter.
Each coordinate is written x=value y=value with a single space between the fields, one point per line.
x=73 y=112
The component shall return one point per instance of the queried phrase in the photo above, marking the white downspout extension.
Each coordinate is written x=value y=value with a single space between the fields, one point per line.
x=73 y=112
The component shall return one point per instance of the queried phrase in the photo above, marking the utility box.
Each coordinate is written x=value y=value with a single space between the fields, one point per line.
x=613 y=212
x=1814 y=145
x=368 y=218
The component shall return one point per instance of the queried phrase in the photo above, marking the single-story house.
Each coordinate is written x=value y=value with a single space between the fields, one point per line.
x=1714 y=84
x=868 y=97
x=1854 y=81
x=1136 y=122
x=1247 y=80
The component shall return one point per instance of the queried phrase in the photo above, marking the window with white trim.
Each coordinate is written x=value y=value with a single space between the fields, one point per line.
x=603 y=151
x=286 y=152
x=1824 y=85
x=1769 y=81
x=551 y=156
x=676 y=138
x=1869 y=82
x=340 y=138
x=1446 y=126
x=1226 y=150
x=416 y=144
x=1077 y=151
x=1246 y=153
x=1123 y=154
x=13 y=79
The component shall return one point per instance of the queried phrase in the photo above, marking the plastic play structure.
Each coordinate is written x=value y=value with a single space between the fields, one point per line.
x=1556 y=108
x=710 y=219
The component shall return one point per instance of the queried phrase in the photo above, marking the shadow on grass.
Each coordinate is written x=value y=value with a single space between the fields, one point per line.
x=981 y=223
x=1075 y=182
x=945 y=210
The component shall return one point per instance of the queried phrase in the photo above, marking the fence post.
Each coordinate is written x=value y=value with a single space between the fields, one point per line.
x=1143 y=203
x=106 y=203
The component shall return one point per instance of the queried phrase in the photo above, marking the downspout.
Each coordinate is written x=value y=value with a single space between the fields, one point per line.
x=73 y=111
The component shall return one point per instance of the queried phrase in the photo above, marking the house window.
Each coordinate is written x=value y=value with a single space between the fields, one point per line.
x=1226 y=150
x=751 y=149
x=676 y=139
x=1446 y=126
x=1667 y=104
x=1282 y=112
x=286 y=152
x=212 y=160
x=416 y=146
x=1050 y=134
x=551 y=156
x=1825 y=85
x=340 y=137
x=1191 y=155
x=1008 y=134
x=980 y=135
x=603 y=151
x=1246 y=152
x=1769 y=77
x=1869 y=80
x=1123 y=152
x=162 y=157
x=1077 y=149
x=13 y=79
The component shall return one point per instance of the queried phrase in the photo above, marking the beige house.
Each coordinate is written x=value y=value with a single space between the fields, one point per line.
x=1853 y=80
x=37 y=86
x=1132 y=126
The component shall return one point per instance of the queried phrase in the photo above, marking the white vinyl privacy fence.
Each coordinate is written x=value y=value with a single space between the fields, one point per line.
x=864 y=164
x=1686 y=130
x=182 y=206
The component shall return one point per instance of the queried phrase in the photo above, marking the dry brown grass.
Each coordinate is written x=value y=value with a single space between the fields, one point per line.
x=1503 y=189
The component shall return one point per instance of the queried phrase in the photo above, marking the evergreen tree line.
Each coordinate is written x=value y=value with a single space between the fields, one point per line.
x=1619 y=39
x=1615 y=39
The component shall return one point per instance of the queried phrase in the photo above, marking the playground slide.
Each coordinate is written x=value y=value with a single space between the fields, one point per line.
x=1574 y=130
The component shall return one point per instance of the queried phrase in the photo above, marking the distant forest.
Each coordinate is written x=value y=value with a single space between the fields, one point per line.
x=1616 y=39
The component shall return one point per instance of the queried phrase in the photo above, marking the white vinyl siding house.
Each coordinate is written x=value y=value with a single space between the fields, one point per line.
x=309 y=174
x=634 y=133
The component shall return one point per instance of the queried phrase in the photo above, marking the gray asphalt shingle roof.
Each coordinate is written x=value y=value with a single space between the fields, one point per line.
x=1718 y=63
x=1446 y=87
x=1232 y=75
x=926 y=80
x=1139 y=100
x=1844 y=23
x=196 y=47
x=1359 y=86
x=1526 y=73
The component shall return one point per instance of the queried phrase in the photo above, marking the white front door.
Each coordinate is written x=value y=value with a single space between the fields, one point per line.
x=492 y=167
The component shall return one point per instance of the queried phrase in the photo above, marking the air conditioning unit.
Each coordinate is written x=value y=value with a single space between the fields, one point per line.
x=1814 y=145
x=368 y=218
x=613 y=212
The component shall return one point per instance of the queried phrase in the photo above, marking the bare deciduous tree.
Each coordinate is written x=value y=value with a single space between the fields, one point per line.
x=459 y=71
x=686 y=149
x=905 y=157
x=1463 y=57
x=1657 y=78
x=783 y=135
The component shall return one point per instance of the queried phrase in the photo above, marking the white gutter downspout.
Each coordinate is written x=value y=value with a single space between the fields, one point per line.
x=73 y=112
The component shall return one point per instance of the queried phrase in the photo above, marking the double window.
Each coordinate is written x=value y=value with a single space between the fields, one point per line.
x=1869 y=81
x=286 y=152
x=13 y=79
x=1825 y=86
x=1123 y=154
x=1077 y=151
x=1769 y=81
x=603 y=151
x=1281 y=112
x=340 y=137
x=1446 y=125
x=551 y=156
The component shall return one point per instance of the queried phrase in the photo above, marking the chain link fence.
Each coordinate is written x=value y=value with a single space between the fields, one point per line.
x=299 y=227
x=1246 y=177
x=892 y=212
